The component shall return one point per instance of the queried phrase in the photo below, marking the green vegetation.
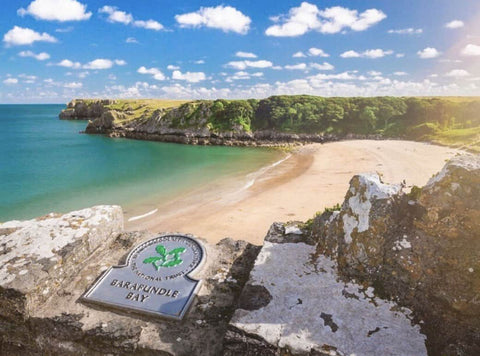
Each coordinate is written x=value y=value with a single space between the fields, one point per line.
x=307 y=225
x=134 y=109
x=453 y=121
x=336 y=207
x=415 y=192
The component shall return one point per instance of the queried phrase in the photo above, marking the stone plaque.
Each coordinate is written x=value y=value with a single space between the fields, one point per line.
x=155 y=280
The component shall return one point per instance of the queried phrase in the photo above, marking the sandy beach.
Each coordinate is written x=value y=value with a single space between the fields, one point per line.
x=308 y=180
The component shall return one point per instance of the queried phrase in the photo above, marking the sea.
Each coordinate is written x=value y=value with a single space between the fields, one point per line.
x=48 y=165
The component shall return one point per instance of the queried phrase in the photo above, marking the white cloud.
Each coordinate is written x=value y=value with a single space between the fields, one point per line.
x=407 y=31
x=243 y=76
x=400 y=74
x=10 y=81
x=155 y=72
x=338 y=76
x=69 y=64
x=376 y=53
x=369 y=53
x=350 y=54
x=115 y=15
x=245 y=54
x=18 y=36
x=400 y=55
x=200 y=61
x=317 y=52
x=299 y=55
x=454 y=24
x=308 y=17
x=149 y=25
x=172 y=67
x=73 y=85
x=299 y=66
x=99 y=63
x=457 y=73
x=64 y=30
x=428 y=52
x=96 y=64
x=241 y=65
x=56 y=10
x=39 y=57
x=374 y=73
x=471 y=50
x=27 y=76
x=225 y=18
x=322 y=66
x=131 y=40
x=191 y=77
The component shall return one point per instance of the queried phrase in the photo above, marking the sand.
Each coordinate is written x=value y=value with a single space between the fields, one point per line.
x=312 y=178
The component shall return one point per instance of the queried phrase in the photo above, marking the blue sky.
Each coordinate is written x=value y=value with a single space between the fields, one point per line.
x=55 y=50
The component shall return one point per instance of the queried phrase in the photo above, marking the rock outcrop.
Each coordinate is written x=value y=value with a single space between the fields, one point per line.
x=49 y=262
x=295 y=304
x=389 y=273
x=421 y=249
x=80 y=109
x=186 y=124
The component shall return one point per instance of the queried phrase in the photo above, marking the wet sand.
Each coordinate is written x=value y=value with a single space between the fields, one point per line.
x=312 y=178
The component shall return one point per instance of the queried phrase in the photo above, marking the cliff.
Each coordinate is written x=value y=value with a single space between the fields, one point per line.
x=283 y=119
x=388 y=273
x=82 y=109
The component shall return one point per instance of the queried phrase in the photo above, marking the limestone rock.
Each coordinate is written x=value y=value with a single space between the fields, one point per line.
x=421 y=249
x=79 y=109
x=295 y=304
x=48 y=263
x=107 y=121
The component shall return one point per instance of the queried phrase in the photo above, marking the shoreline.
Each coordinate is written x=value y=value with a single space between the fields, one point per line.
x=314 y=177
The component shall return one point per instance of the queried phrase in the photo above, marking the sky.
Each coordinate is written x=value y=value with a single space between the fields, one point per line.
x=54 y=50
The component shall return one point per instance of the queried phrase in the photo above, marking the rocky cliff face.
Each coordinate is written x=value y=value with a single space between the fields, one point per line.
x=187 y=124
x=80 y=109
x=388 y=274
x=421 y=249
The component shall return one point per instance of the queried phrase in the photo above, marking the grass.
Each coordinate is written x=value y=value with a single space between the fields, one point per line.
x=468 y=138
x=136 y=108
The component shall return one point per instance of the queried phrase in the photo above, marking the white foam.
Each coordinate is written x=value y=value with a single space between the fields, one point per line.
x=138 y=217
x=263 y=170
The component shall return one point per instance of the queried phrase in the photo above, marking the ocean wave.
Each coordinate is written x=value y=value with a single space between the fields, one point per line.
x=253 y=176
x=138 y=217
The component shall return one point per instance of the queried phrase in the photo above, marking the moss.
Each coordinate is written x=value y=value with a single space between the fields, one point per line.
x=415 y=193
x=336 y=207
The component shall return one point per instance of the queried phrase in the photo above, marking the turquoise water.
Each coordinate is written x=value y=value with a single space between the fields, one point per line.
x=46 y=165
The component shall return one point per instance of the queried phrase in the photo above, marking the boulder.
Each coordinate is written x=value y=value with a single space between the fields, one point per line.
x=49 y=262
x=295 y=304
x=421 y=249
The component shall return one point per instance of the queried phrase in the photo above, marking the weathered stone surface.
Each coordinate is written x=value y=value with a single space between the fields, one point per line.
x=311 y=312
x=37 y=254
x=79 y=109
x=421 y=248
x=106 y=121
x=288 y=233
x=41 y=311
